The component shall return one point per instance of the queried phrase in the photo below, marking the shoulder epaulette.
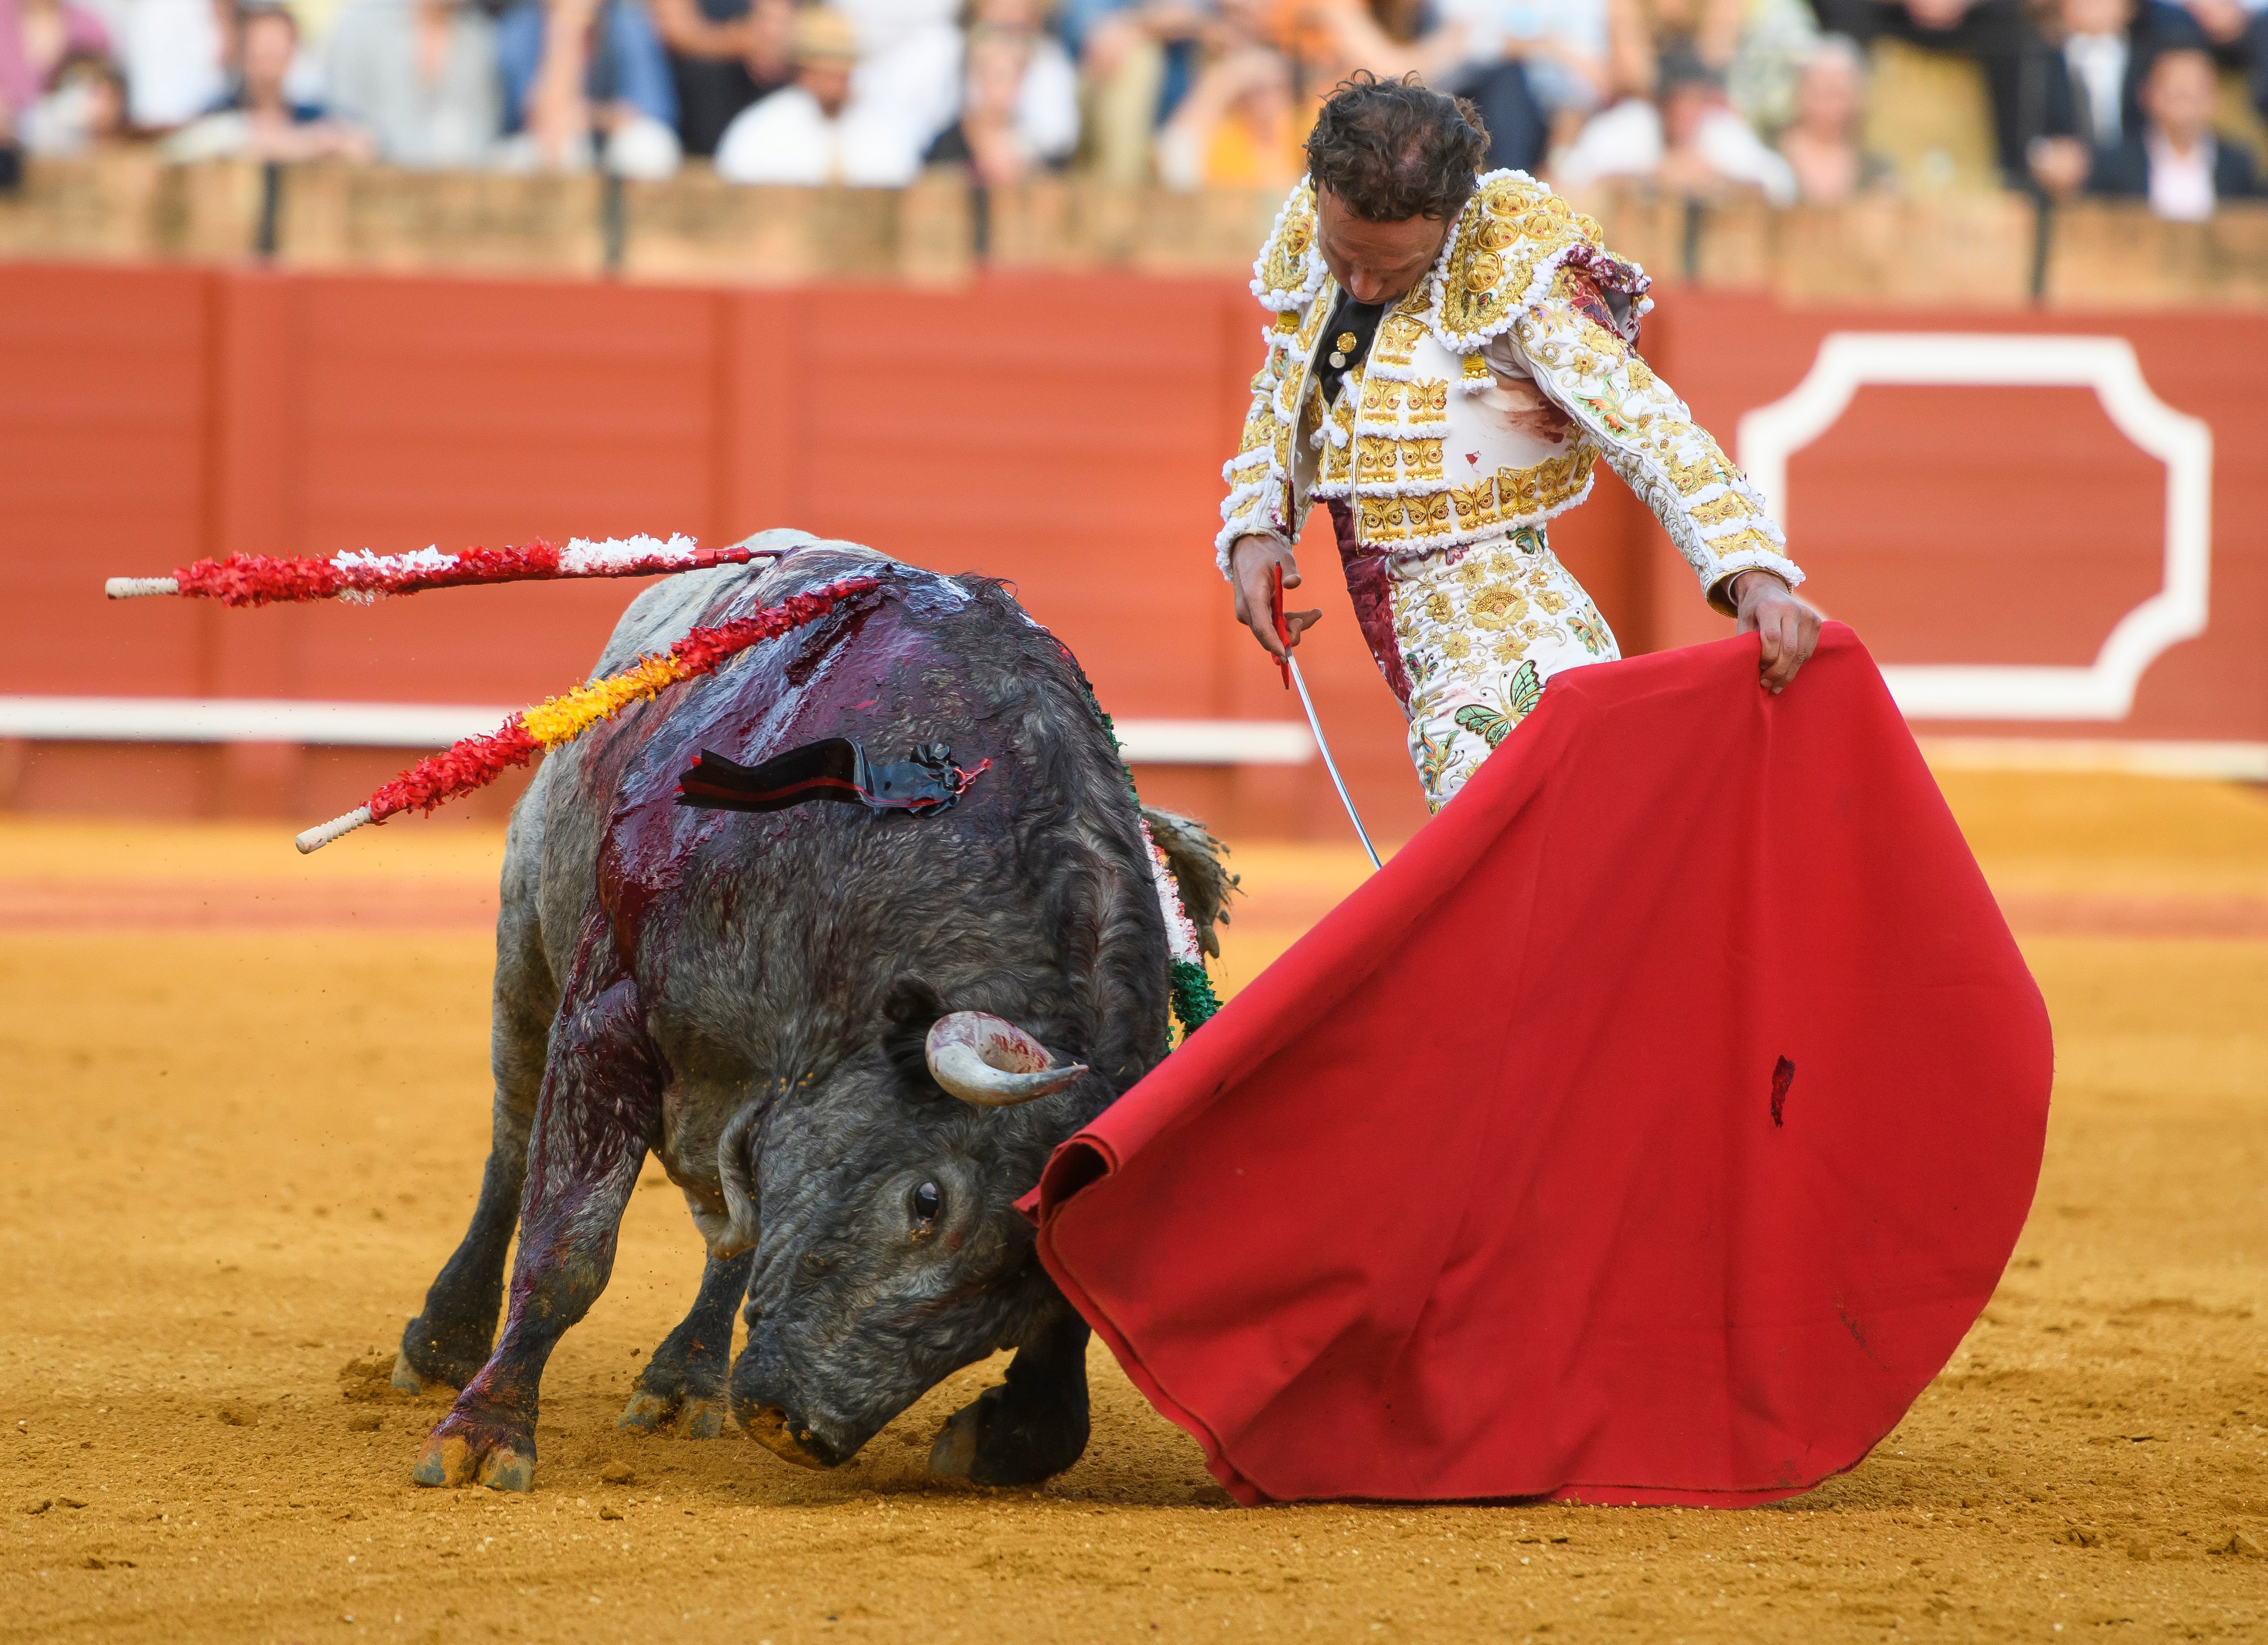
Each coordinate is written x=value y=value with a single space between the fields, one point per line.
x=1289 y=270
x=1509 y=244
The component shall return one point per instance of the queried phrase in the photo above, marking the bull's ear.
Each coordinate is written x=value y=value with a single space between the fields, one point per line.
x=910 y=1006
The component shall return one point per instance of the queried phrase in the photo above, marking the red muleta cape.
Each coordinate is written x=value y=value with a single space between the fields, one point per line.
x=1649 y=1130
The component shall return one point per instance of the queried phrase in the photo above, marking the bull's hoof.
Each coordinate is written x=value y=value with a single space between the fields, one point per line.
x=650 y=1412
x=458 y=1453
x=430 y=1362
x=1001 y=1440
x=647 y=1412
x=955 y=1454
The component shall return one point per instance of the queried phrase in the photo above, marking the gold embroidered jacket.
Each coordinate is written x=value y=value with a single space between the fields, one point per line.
x=1417 y=445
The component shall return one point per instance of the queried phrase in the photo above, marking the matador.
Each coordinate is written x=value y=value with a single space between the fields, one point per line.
x=1449 y=356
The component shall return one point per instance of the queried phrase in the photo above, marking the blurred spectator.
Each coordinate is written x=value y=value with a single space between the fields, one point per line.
x=1139 y=59
x=1238 y=128
x=85 y=110
x=1019 y=98
x=909 y=61
x=1530 y=65
x=815 y=131
x=2235 y=31
x=1993 y=33
x=1776 y=41
x=1642 y=33
x=35 y=37
x=1821 y=146
x=259 y=119
x=2174 y=161
x=1330 y=40
x=585 y=82
x=724 y=54
x=420 y=77
x=2086 y=83
x=172 y=51
x=1690 y=142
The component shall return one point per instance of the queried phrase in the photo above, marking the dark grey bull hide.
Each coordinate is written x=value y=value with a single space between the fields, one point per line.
x=748 y=997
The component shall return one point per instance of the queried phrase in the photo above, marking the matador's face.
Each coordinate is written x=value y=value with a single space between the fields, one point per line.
x=1375 y=262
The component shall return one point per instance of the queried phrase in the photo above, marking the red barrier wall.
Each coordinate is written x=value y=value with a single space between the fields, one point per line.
x=1062 y=432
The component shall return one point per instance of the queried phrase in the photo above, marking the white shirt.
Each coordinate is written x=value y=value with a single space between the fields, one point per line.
x=1579 y=25
x=1626 y=141
x=787 y=138
x=908 y=62
x=172 y=56
x=1046 y=101
x=2180 y=185
x=2098 y=73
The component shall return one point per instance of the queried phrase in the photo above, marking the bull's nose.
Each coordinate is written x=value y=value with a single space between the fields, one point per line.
x=788 y=1438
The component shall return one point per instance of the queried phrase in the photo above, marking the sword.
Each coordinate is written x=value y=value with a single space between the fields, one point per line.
x=1290 y=666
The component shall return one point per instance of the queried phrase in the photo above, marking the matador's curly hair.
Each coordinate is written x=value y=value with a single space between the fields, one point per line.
x=1391 y=150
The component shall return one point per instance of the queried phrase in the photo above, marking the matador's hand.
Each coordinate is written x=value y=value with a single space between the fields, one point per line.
x=1249 y=564
x=1788 y=628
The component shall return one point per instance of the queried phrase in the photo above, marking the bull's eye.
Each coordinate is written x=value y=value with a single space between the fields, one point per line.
x=927 y=1203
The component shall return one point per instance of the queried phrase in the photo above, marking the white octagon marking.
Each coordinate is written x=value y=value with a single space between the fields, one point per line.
x=2104 y=689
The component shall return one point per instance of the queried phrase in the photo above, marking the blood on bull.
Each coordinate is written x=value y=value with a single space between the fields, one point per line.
x=850 y=1034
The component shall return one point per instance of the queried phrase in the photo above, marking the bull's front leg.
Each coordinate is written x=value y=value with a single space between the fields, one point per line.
x=685 y=1379
x=1034 y=1424
x=593 y=1123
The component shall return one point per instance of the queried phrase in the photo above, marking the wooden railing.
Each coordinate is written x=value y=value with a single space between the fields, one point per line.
x=1970 y=249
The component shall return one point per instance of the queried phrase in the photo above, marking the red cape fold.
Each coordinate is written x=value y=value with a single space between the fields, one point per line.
x=1649 y=1130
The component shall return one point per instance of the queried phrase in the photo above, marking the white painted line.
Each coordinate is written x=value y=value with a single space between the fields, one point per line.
x=434 y=725
x=1215 y=742
x=2103 y=689
x=2220 y=761
x=244 y=720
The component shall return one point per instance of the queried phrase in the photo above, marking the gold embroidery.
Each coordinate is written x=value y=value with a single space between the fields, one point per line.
x=1476 y=370
x=1428 y=516
x=1549 y=483
x=1710 y=468
x=1475 y=506
x=1748 y=542
x=1499 y=606
x=1519 y=226
x=1373 y=457
x=1379 y=519
x=1283 y=260
x=1430 y=393
x=1730 y=506
x=1380 y=395
x=1421 y=459
x=1398 y=336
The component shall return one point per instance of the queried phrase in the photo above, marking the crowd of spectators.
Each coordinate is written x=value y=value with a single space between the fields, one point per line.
x=1709 y=100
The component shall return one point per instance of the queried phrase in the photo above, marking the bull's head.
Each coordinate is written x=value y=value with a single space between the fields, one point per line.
x=890 y=1252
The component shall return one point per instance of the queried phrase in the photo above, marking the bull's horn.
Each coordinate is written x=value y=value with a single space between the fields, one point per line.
x=991 y=1062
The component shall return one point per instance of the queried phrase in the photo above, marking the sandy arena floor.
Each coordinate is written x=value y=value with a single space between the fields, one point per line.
x=246 y=1105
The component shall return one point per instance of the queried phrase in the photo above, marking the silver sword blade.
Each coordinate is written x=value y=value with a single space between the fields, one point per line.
x=1323 y=746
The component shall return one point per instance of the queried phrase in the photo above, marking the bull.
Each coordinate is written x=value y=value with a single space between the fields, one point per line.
x=850 y=1039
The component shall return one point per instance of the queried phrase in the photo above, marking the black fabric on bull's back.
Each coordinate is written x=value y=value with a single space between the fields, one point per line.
x=675 y=978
